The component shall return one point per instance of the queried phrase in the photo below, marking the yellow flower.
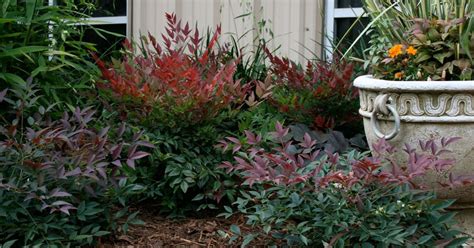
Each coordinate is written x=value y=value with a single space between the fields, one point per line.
x=395 y=50
x=399 y=75
x=411 y=50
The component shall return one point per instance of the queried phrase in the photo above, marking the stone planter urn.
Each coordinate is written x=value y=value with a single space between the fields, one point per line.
x=409 y=111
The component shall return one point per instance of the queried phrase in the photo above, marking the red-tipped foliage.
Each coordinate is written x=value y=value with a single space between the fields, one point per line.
x=320 y=94
x=179 y=82
x=286 y=161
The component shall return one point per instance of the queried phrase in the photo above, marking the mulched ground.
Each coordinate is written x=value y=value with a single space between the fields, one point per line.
x=160 y=231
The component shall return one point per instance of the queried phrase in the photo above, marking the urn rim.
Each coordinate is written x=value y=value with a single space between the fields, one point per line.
x=370 y=83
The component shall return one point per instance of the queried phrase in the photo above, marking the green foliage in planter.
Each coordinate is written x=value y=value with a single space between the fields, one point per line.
x=441 y=31
x=439 y=56
x=394 y=19
x=62 y=182
x=432 y=54
x=298 y=192
x=45 y=42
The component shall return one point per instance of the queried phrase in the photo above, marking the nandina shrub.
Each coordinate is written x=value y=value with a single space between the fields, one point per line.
x=309 y=196
x=62 y=182
x=320 y=95
x=181 y=83
x=183 y=93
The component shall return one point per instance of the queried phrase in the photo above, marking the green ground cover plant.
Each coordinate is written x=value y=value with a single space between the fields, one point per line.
x=308 y=196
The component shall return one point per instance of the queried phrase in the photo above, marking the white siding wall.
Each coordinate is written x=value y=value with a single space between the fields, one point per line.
x=296 y=24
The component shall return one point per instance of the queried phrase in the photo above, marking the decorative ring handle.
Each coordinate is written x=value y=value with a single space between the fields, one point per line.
x=380 y=106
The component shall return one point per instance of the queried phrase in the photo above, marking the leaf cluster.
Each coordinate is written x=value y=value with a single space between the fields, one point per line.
x=320 y=95
x=61 y=179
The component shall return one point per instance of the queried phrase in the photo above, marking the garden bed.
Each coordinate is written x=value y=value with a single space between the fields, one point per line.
x=193 y=231
x=183 y=141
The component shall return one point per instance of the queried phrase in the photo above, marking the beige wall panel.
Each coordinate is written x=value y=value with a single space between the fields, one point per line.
x=240 y=28
x=296 y=24
x=313 y=32
x=201 y=12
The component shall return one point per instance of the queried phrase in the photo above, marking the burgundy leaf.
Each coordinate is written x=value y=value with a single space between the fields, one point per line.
x=103 y=131
x=58 y=193
x=132 y=150
x=116 y=150
x=121 y=129
x=451 y=140
x=131 y=163
x=233 y=140
x=138 y=155
x=236 y=148
x=251 y=138
x=280 y=131
x=102 y=172
x=145 y=144
x=74 y=172
x=117 y=163
x=65 y=209
x=228 y=166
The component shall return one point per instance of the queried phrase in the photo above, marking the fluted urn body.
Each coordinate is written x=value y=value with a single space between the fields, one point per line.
x=425 y=110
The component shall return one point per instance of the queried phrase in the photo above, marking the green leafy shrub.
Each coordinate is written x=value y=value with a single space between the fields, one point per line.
x=45 y=42
x=182 y=172
x=307 y=196
x=62 y=182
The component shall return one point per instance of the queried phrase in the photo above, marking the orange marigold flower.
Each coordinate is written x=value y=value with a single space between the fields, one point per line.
x=399 y=75
x=411 y=50
x=395 y=50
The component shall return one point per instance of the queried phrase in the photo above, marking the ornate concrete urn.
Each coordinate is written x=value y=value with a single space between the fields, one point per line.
x=409 y=111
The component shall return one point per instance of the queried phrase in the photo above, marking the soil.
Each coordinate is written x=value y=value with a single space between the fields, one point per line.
x=196 y=231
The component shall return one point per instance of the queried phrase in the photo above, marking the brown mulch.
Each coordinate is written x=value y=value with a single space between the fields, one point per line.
x=197 y=231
